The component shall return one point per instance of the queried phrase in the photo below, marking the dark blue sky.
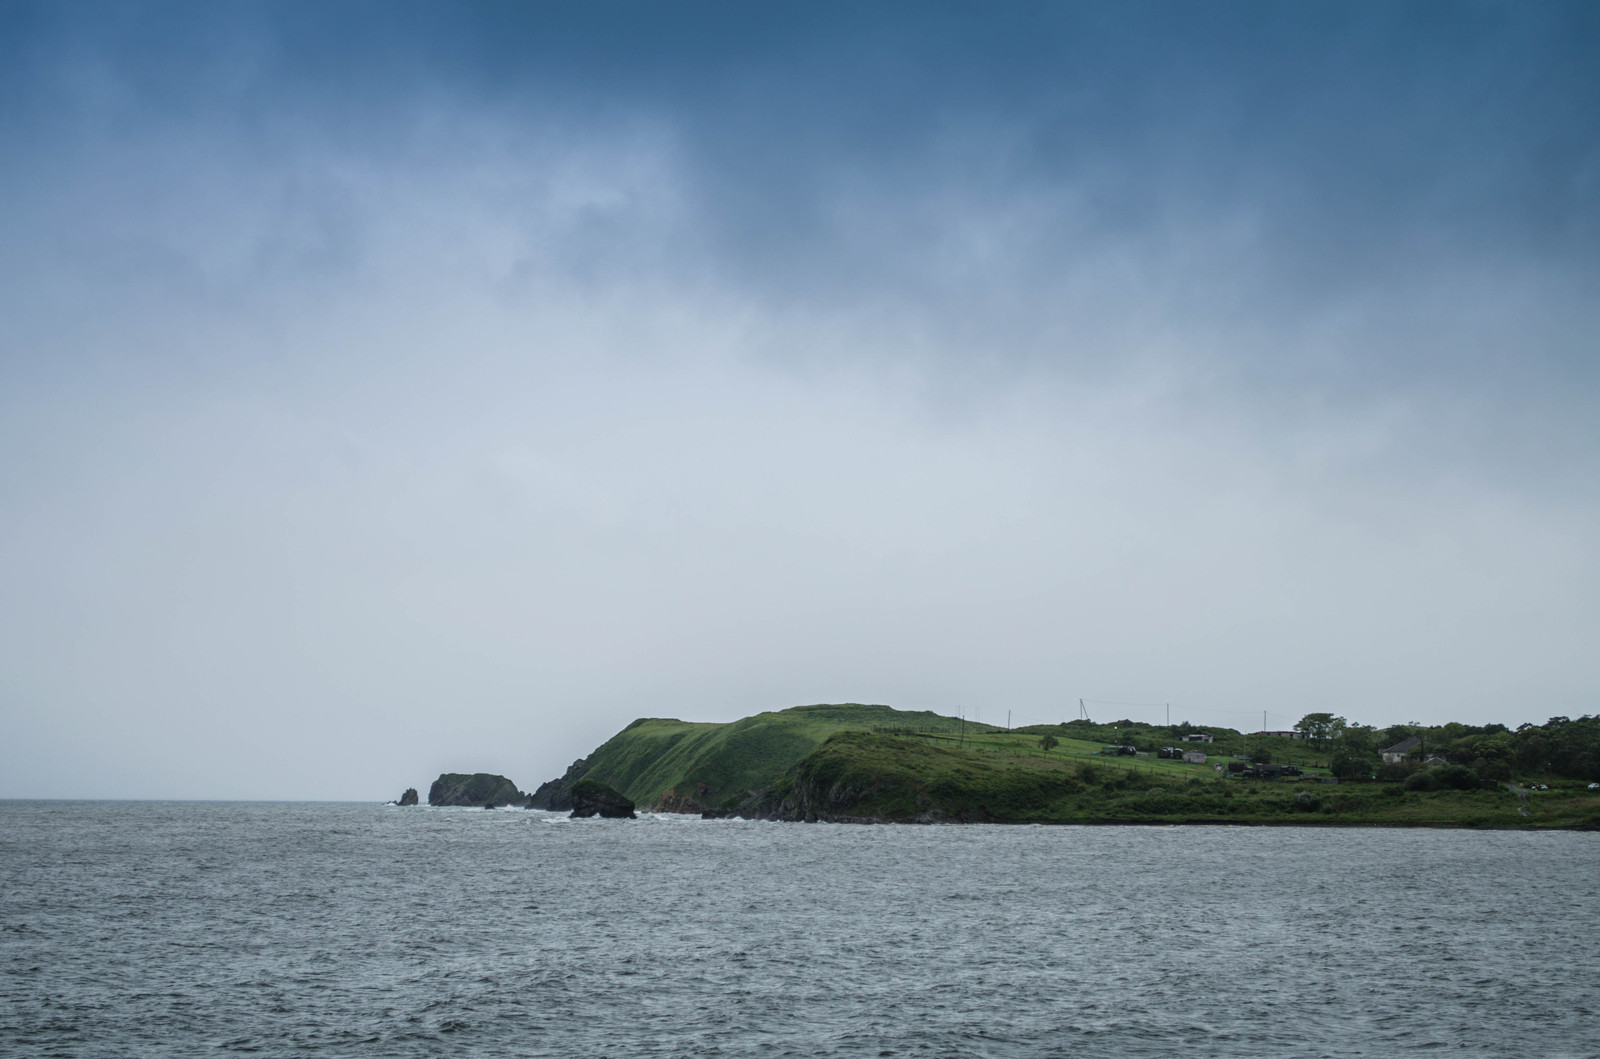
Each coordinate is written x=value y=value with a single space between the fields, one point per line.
x=585 y=361
x=1362 y=140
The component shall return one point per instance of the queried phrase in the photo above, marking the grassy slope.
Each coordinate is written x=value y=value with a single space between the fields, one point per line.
x=1005 y=777
x=687 y=764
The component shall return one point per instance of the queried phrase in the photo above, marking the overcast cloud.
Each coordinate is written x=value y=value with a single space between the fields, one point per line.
x=392 y=389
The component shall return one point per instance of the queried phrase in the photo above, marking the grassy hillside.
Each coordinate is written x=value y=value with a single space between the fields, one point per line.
x=855 y=762
x=1007 y=777
x=689 y=766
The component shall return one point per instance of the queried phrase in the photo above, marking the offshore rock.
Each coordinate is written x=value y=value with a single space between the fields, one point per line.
x=409 y=797
x=475 y=791
x=593 y=798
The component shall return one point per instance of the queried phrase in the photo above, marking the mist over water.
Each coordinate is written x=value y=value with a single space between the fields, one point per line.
x=175 y=929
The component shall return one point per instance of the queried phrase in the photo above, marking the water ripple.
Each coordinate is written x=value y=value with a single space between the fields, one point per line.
x=172 y=929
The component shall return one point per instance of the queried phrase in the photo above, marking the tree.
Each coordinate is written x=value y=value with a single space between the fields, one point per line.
x=1048 y=741
x=1319 y=728
x=1354 y=753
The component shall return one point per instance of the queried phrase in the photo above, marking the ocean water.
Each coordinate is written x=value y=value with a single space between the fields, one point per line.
x=179 y=929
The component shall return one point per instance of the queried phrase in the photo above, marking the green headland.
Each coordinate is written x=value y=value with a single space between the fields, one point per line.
x=864 y=763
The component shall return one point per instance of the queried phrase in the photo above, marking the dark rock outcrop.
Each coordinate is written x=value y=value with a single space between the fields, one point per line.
x=476 y=790
x=593 y=798
x=556 y=795
x=409 y=797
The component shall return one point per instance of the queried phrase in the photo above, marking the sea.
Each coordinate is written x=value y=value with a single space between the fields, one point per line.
x=184 y=928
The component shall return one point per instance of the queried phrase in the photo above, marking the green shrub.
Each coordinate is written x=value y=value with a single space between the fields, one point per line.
x=1442 y=777
x=1425 y=780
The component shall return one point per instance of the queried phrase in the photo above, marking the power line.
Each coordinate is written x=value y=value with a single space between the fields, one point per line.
x=1168 y=706
x=1109 y=702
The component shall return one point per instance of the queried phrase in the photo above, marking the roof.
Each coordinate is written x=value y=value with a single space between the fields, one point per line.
x=1404 y=746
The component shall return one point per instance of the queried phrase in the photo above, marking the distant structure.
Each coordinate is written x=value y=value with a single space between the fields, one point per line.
x=1197 y=737
x=1393 y=755
x=1194 y=757
x=1285 y=735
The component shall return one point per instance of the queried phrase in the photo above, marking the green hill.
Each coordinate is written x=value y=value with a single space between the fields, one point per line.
x=685 y=766
x=873 y=763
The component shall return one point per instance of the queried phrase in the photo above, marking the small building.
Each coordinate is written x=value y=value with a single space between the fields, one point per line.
x=1194 y=757
x=1285 y=735
x=1197 y=737
x=1393 y=755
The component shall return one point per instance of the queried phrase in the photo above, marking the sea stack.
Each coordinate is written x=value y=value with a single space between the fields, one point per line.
x=409 y=797
x=474 y=791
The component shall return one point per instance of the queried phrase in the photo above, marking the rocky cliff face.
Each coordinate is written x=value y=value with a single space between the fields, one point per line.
x=695 y=797
x=409 y=797
x=477 y=790
x=810 y=799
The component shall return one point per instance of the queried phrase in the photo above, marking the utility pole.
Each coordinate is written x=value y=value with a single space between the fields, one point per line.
x=1008 y=720
x=1169 y=715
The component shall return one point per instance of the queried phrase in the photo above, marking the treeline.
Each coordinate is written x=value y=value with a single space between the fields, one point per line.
x=1560 y=748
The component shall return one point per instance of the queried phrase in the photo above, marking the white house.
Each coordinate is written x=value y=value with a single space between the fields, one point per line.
x=1393 y=755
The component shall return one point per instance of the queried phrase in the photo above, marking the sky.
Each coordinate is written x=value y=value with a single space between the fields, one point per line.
x=389 y=389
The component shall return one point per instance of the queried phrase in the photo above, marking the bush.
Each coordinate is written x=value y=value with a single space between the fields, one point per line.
x=1443 y=777
x=1349 y=765
x=1398 y=771
x=1426 y=780
x=1491 y=772
x=1307 y=802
